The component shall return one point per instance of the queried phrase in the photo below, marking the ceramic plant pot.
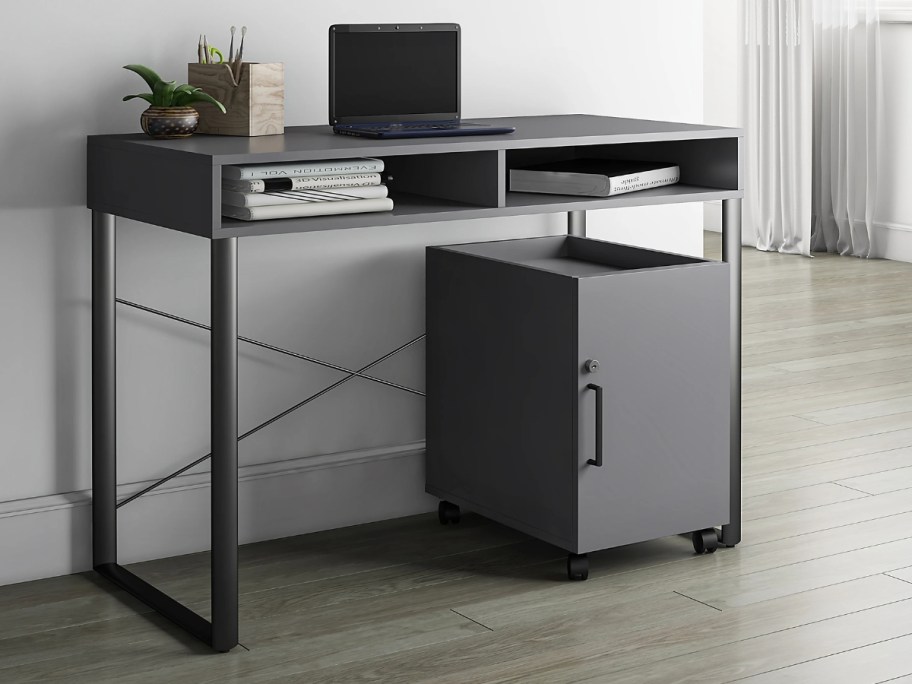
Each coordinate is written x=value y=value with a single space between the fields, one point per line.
x=169 y=122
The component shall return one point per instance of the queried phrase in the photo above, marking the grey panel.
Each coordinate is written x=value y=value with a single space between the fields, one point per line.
x=500 y=383
x=174 y=191
x=319 y=142
x=415 y=209
x=661 y=336
x=130 y=175
x=587 y=252
x=470 y=177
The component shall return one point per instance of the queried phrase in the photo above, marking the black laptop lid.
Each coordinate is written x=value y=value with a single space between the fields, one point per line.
x=393 y=73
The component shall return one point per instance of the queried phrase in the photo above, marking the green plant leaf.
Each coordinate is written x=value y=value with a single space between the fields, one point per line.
x=184 y=88
x=149 y=76
x=184 y=96
x=164 y=93
x=145 y=96
x=200 y=96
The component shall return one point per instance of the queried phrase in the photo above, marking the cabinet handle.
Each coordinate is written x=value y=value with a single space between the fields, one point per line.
x=597 y=461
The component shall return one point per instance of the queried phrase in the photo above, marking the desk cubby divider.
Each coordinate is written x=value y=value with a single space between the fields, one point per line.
x=469 y=177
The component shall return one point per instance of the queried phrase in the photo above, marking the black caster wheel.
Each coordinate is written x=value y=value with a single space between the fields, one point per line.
x=705 y=541
x=448 y=513
x=577 y=566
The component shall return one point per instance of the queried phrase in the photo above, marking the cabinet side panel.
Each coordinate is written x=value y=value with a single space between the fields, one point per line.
x=500 y=380
x=173 y=191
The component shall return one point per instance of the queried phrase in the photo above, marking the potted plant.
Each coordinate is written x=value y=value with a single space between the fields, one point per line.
x=170 y=114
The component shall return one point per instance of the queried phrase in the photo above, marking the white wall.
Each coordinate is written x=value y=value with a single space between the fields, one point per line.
x=720 y=78
x=894 y=205
x=346 y=297
x=893 y=217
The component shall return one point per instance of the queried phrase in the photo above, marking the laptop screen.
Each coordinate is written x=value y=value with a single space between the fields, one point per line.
x=394 y=73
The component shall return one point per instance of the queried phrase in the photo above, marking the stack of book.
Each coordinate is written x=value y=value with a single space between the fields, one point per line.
x=593 y=177
x=255 y=192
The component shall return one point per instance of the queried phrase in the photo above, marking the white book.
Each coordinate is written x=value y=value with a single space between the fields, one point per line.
x=274 y=211
x=323 y=167
x=342 y=180
x=593 y=177
x=263 y=199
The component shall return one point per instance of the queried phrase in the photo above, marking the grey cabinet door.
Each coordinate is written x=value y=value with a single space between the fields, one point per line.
x=661 y=339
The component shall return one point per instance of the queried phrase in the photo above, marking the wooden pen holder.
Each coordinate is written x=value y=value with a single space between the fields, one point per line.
x=255 y=103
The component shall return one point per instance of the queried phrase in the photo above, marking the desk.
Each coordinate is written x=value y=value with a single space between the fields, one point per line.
x=176 y=184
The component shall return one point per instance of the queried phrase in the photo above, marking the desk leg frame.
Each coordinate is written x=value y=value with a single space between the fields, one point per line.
x=731 y=253
x=104 y=409
x=222 y=633
x=224 y=427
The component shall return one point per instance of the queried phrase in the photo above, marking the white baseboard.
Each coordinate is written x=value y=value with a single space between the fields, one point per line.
x=892 y=241
x=51 y=535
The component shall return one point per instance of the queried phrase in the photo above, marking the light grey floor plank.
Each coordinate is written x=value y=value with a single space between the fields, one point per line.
x=672 y=639
x=790 y=459
x=868 y=664
x=748 y=657
x=861 y=411
x=800 y=499
x=824 y=434
x=753 y=587
x=828 y=471
x=880 y=483
x=904 y=574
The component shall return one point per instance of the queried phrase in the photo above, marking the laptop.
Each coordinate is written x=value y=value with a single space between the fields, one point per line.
x=397 y=81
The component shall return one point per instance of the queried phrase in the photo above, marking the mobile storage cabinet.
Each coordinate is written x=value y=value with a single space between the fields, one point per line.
x=578 y=391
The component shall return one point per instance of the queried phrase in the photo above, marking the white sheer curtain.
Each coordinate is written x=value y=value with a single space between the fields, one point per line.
x=847 y=112
x=811 y=106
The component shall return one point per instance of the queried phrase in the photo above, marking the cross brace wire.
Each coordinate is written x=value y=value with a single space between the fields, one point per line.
x=350 y=374
x=271 y=347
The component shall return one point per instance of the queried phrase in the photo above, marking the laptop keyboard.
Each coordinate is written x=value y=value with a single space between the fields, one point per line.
x=417 y=126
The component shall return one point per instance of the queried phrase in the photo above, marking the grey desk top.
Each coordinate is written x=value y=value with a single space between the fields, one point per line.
x=301 y=143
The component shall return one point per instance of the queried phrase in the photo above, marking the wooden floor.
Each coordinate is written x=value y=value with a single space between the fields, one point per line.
x=820 y=590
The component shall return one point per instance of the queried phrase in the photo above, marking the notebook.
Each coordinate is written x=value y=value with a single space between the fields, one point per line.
x=398 y=81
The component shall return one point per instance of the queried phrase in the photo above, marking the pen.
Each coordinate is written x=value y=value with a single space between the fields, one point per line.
x=240 y=56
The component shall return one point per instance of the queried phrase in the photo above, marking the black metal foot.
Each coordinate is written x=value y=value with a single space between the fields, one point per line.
x=448 y=513
x=577 y=566
x=705 y=541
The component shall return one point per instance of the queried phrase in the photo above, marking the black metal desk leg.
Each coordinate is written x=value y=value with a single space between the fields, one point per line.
x=224 y=379
x=576 y=223
x=731 y=253
x=104 y=423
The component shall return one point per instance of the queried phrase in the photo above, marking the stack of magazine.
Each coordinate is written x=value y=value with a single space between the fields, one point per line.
x=255 y=192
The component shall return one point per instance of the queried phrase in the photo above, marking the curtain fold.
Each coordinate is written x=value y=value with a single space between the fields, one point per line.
x=847 y=112
x=811 y=106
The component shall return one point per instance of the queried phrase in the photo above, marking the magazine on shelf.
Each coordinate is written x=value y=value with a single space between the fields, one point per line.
x=299 y=209
x=593 y=177
x=344 y=180
x=322 y=167
x=262 y=199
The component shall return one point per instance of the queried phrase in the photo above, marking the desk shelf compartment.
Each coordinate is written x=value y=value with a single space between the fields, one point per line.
x=513 y=427
x=709 y=170
x=423 y=187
